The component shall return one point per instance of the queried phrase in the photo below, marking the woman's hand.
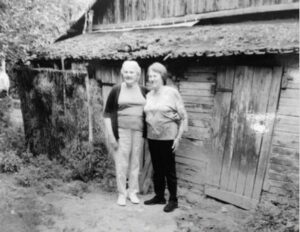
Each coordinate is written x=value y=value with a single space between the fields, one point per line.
x=175 y=144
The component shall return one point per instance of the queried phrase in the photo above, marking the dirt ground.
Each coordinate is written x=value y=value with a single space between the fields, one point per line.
x=79 y=207
x=55 y=206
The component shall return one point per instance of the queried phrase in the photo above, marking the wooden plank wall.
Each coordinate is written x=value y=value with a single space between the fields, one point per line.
x=283 y=170
x=140 y=10
x=196 y=91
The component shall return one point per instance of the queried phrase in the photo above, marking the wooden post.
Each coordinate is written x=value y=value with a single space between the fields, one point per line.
x=64 y=83
x=90 y=110
x=90 y=20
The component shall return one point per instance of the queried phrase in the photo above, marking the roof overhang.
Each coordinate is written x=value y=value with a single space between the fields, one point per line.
x=247 y=38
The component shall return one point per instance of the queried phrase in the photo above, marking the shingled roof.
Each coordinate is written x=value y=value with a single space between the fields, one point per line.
x=277 y=36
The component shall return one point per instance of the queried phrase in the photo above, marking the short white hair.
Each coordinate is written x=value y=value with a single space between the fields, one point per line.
x=133 y=64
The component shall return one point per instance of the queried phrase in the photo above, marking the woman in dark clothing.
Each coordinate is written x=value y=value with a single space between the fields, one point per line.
x=166 y=121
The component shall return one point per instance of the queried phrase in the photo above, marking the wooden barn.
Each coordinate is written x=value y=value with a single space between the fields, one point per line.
x=236 y=65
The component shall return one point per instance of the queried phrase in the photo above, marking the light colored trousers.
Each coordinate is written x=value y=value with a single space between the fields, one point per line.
x=127 y=160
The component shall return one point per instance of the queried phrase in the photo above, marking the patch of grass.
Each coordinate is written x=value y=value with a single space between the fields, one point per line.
x=9 y=162
x=280 y=214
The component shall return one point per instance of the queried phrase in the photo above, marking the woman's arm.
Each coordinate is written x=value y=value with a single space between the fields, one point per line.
x=183 y=123
x=108 y=112
x=111 y=138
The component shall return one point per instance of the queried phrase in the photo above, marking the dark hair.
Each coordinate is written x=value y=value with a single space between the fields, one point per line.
x=161 y=69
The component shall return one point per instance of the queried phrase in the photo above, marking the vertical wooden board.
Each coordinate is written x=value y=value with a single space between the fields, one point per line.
x=196 y=6
x=220 y=115
x=219 y=126
x=216 y=5
x=117 y=11
x=114 y=72
x=189 y=7
x=164 y=8
x=223 y=4
x=143 y=8
x=201 y=5
x=234 y=4
x=245 y=143
x=129 y=10
x=161 y=8
x=221 y=77
x=103 y=74
x=209 y=5
x=237 y=175
x=138 y=10
x=109 y=14
x=122 y=10
x=125 y=10
x=183 y=7
x=230 y=72
x=256 y=122
x=266 y=145
x=146 y=170
x=133 y=11
x=180 y=8
x=232 y=127
x=148 y=6
x=155 y=9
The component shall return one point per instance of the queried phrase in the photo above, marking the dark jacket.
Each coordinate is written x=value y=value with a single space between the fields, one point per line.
x=112 y=106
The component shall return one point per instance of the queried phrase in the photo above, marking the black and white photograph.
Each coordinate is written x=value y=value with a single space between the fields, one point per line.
x=149 y=115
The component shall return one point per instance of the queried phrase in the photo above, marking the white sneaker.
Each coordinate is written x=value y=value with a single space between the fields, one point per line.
x=121 y=200
x=133 y=198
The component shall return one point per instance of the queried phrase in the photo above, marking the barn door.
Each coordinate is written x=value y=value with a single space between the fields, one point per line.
x=245 y=104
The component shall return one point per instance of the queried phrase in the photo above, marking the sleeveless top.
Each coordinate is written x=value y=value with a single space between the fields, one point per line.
x=131 y=104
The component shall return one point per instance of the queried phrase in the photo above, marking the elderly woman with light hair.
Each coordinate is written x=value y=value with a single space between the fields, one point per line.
x=124 y=119
x=166 y=119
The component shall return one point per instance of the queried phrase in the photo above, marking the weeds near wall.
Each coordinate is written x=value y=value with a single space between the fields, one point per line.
x=281 y=214
x=56 y=145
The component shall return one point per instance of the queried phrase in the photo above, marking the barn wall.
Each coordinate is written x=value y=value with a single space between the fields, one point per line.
x=119 y=11
x=283 y=170
x=199 y=146
x=196 y=88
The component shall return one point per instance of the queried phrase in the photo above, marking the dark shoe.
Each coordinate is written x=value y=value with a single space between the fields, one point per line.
x=155 y=200
x=171 y=206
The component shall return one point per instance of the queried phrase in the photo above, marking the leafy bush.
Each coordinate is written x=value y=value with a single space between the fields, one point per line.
x=87 y=161
x=280 y=214
x=40 y=168
x=9 y=162
x=11 y=138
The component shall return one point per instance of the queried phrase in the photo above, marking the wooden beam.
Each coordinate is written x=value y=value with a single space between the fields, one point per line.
x=90 y=109
x=64 y=83
x=194 y=18
x=52 y=70
x=230 y=197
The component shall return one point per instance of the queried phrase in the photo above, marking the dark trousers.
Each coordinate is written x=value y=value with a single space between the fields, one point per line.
x=163 y=161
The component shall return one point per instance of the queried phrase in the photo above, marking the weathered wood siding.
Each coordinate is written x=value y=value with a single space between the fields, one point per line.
x=283 y=171
x=119 y=11
x=231 y=143
x=197 y=93
x=231 y=118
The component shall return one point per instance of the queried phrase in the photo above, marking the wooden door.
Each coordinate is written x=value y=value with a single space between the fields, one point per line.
x=244 y=113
